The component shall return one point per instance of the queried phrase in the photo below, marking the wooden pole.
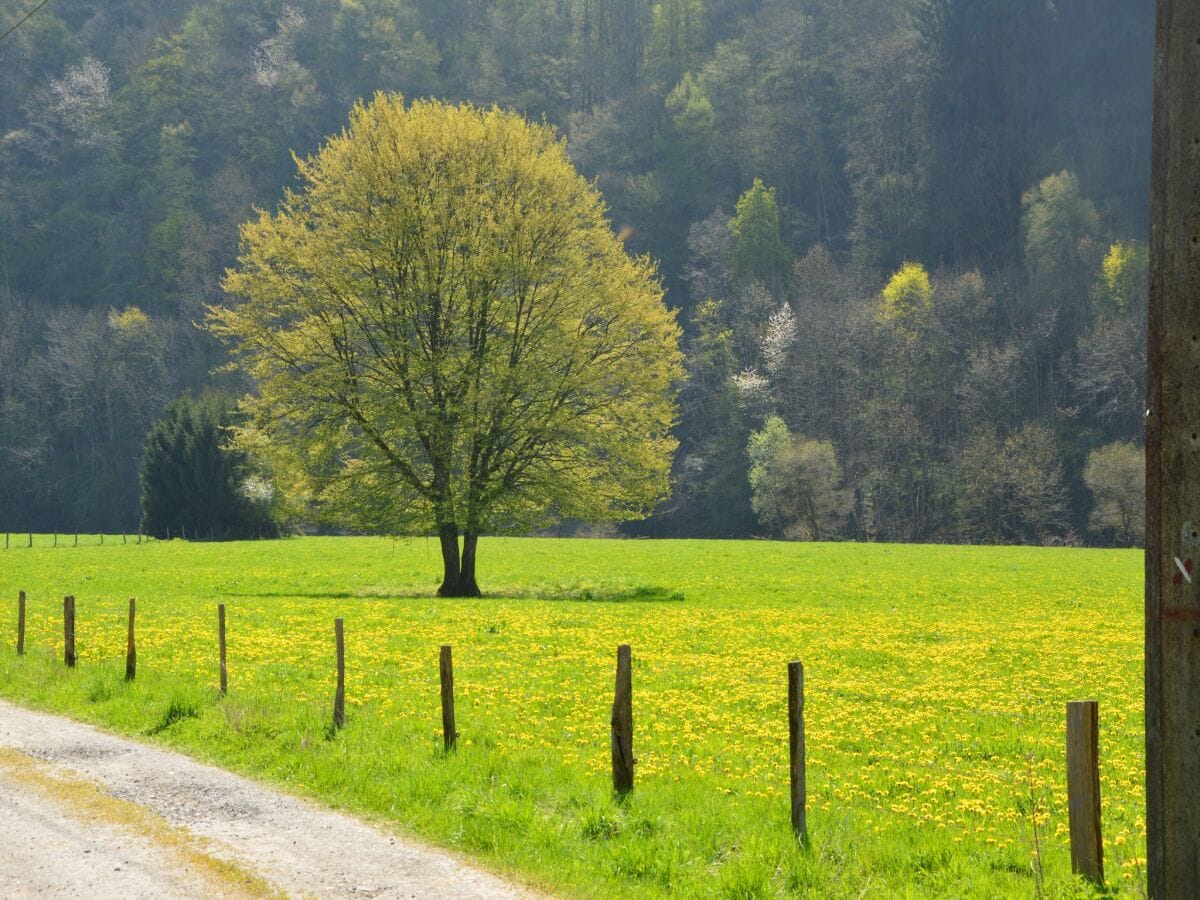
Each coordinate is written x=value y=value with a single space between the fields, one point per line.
x=796 y=750
x=69 y=630
x=21 y=623
x=130 y=646
x=339 y=697
x=221 y=648
x=1172 y=465
x=446 y=670
x=1083 y=789
x=622 y=724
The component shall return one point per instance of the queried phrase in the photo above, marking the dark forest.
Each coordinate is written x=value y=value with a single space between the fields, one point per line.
x=905 y=240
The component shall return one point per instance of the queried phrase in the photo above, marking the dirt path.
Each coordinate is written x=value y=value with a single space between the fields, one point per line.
x=86 y=814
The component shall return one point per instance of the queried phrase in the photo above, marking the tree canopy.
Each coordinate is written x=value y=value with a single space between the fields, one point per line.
x=445 y=333
x=1115 y=476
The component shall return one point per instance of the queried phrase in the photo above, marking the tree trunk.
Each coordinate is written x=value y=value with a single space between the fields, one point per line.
x=448 y=535
x=467 y=585
x=458 y=578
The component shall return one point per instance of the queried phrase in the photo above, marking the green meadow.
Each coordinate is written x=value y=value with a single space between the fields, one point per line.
x=936 y=679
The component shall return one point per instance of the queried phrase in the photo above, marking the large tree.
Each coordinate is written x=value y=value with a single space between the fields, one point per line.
x=446 y=334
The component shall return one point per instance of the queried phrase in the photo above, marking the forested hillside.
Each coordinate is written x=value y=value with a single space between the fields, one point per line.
x=906 y=239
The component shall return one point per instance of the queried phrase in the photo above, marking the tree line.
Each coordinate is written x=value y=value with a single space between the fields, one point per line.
x=905 y=238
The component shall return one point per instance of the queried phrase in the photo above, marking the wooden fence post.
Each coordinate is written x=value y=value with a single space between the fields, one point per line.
x=1083 y=789
x=21 y=623
x=446 y=670
x=69 y=630
x=131 y=647
x=221 y=648
x=622 y=723
x=339 y=697
x=31 y=539
x=796 y=750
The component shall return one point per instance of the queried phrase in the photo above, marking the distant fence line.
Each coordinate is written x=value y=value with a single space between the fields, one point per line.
x=17 y=540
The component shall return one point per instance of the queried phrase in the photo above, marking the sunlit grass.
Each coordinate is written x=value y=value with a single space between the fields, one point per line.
x=936 y=679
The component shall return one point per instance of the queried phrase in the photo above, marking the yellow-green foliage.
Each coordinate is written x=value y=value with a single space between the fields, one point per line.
x=1057 y=218
x=443 y=329
x=691 y=109
x=908 y=295
x=936 y=679
x=758 y=250
x=1123 y=275
x=129 y=321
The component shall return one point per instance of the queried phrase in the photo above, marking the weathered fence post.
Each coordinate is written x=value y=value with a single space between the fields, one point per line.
x=446 y=671
x=796 y=750
x=130 y=646
x=31 y=539
x=55 y=544
x=69 y=630
x=20 y=623
x=339 y=697
x=1083 y=789
x=221 y=647
x=622 y=724
x=77 y=539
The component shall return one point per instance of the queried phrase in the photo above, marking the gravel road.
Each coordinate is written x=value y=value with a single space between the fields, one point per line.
x=83 y=813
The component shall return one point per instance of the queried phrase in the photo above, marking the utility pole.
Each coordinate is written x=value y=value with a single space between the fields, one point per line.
x=1173 y=462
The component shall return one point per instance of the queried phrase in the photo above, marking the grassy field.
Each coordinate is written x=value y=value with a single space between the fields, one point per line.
x=936 y=679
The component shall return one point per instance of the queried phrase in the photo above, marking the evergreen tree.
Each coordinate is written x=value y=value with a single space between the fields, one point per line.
x=192 y=483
